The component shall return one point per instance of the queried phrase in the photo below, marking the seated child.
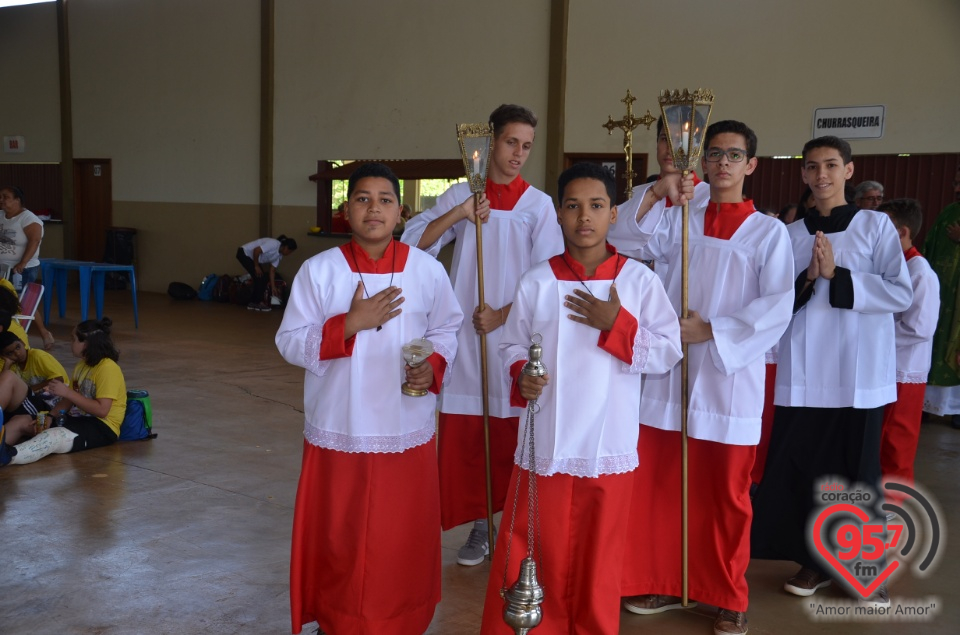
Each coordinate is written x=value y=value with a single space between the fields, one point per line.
x=368 y=501
x=91 y=407
x=32 y=365
x=604 y=319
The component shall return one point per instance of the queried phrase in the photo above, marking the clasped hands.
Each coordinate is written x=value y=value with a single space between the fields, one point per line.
x=821 y=260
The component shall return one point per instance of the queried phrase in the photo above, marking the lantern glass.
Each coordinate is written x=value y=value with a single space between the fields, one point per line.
x=476 y=142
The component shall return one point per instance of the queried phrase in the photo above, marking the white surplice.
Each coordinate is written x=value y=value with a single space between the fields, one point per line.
x=513 y=241
x=842 y=358
x=587 y=422
x=742 y=286
x=914 y=328
x=354 y=404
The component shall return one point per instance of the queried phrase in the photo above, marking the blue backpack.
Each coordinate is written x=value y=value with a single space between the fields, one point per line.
x=205 y=292
x=138 y=421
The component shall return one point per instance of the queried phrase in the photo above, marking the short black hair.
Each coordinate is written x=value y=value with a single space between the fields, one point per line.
x=587 y=171
x=7 y=338
x=905 y=212
x=376 y=170
x=9 y=301
x=829 y=141
x=16 y=191
x=289 y=243
x=735 y=127
x=99 y=344
x=506 y=114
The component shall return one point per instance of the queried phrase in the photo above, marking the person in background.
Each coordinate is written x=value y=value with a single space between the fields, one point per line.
x=942 y=250
x=21 y=233
x=868 y=195
x=264 y=251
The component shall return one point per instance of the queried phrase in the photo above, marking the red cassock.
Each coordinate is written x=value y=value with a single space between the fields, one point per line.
x=719 y=522
x=365 y=556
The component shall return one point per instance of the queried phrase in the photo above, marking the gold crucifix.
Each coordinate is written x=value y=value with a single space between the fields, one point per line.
x=627 y=124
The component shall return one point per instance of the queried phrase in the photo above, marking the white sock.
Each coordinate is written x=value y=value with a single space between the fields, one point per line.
x=52 y=441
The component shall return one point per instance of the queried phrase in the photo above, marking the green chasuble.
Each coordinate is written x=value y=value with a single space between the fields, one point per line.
x=944 y=256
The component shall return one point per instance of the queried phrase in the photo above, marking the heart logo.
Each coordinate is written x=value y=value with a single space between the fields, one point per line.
x=857 y=585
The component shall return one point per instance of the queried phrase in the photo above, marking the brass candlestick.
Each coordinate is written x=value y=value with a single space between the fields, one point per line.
x=627 y=124
x=476 y=145
x=686 y=116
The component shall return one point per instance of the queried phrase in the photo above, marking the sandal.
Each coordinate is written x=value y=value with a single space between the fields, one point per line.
x=48 y=341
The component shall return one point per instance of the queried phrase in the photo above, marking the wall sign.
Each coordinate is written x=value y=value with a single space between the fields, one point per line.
x=850 y=122
x=14 y=144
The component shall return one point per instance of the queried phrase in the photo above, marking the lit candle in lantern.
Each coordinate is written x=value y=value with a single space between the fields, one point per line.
x=476 y=162
x=685 y=138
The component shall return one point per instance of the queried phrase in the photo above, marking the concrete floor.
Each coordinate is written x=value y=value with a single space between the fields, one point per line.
x=190 y=533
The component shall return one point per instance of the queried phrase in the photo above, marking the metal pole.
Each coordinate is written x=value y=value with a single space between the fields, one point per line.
x=684 y=402
x=483 y=378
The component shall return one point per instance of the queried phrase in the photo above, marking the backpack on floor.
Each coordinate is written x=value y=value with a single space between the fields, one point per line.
x=221 y=290
x=181 y=291
x=205 y=292
x=138 y=420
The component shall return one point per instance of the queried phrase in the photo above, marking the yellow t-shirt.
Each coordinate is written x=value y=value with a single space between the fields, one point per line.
x=40 y=366
x=105 y=380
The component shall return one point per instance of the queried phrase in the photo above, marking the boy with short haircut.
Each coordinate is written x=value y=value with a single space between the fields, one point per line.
x=741 y=293
x=604 y=319
x=837 y=366
x=913 y=331
x=518 y=232
x=367 y=503
x=34 y=366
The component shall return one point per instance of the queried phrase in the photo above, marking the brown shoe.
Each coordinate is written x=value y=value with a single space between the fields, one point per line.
x=651 y=604
x=730 y=623
x=806 y=582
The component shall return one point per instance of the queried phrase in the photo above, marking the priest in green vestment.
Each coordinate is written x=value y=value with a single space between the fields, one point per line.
x=942 y=250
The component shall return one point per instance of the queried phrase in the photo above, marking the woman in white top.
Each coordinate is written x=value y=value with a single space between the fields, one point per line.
x=20 y=235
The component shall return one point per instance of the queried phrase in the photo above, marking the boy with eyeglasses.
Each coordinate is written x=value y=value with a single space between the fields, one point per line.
x=740 y=298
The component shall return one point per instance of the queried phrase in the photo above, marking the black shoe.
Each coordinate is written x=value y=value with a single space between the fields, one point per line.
x=955 y=422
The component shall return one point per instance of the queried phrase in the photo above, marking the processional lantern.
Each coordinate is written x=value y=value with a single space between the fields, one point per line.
x=686 y=116
x=476 y=146
x=522 y=600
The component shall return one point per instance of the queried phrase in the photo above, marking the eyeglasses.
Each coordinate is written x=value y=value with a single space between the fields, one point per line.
x=734 y=155
x=873 y=199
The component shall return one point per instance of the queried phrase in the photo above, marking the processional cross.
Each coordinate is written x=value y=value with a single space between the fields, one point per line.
x=628 y=124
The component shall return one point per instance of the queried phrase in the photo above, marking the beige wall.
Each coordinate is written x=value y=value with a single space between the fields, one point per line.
x=770 y=63
x=373 y=79
x=169 y=91
x=30 y=101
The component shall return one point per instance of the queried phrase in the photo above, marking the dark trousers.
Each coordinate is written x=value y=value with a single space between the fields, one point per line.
x=259 y=282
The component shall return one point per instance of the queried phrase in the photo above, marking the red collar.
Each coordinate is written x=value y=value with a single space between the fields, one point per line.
x=696 y=181
x=722 y=220
x=913 y=252
x=566 y=268
x=505 y=197
x=393 y=260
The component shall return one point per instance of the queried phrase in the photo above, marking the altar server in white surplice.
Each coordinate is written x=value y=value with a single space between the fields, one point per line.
x=519 y=230
x=740 y=297
x=604 y=319
x=367 y=507
x=837 y=366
